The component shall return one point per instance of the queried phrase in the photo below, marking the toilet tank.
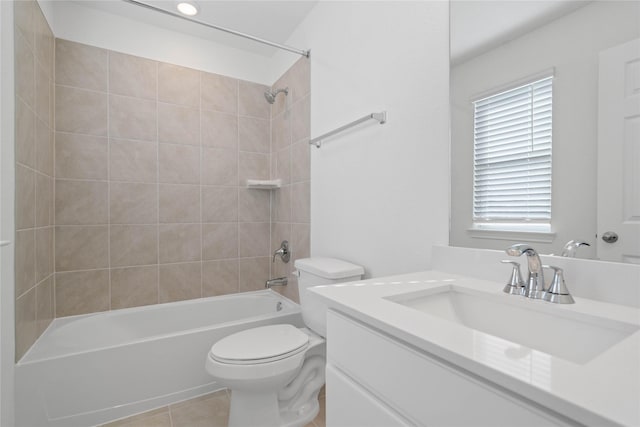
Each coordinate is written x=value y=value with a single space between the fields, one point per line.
x=321 y=271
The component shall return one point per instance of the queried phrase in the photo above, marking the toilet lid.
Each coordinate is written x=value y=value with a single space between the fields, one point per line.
x=260 y=345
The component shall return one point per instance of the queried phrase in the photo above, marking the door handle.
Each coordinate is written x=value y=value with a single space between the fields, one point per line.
x=610 y=237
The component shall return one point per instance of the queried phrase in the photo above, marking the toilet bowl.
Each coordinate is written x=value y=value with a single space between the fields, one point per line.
x=275 y=372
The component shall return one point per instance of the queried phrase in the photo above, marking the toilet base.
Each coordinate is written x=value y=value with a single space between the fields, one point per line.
x=262 y=410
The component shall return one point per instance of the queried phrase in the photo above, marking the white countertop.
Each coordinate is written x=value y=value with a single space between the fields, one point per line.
x=603 y=390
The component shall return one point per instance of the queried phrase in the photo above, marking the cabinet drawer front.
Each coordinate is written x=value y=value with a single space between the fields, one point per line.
x=349 y=405
x=423 y=389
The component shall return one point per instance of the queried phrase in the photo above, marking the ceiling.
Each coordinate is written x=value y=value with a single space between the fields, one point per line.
x=478 y=26
x=271 y=20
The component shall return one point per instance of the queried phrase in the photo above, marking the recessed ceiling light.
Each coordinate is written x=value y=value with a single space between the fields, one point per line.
x=189 y=8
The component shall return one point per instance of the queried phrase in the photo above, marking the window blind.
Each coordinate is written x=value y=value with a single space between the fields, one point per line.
x=512 y=155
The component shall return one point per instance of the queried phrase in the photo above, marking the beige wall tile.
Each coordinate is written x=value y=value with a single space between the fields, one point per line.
x=81 y=111
x=133 y=245
x=135 y=161
x=178 y=125
x=25 y=79
x=45 y=310
x=42 y=94
x=219 y=241
x=283 y=165
x=282 y=204
x=254 y=134
x=219 y=93
x=301 y=161
x=281 y=131
x=219 y=130
x=179 y=242
x=26 y=326
x=134 y=286
x=252 y=166
x=219 y=277
x=179 y=203
x=300 y=241
x=81 y=65
x=300 y=79
x=23 y=19
x=25 y=134
x=44 y=253
x=81 y=292
x=251 y=100
x=253 y=239
x=81 y=156
x=219 y=166
x=178 y=85
x=219 y=204
x=44 y=40
x=300 y=202
x=180 y=282
x=25 y=198
x=44 y=148
x=253 y=273
x=301 y=120
x=132 y=118
x=133 y=203
x=254 y=205
x=132 y=76
x=25 y=261
x=81 y=247
x=44 y=200
x=81 y=202
x=179 y=164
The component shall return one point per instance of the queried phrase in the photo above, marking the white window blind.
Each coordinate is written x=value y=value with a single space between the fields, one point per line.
x=512 y=155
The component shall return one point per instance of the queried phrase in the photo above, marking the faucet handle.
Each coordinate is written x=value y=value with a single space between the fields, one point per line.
x=516 y=285
x=558 y=292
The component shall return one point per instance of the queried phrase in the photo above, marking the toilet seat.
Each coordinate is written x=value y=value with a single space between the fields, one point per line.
x=259 y=345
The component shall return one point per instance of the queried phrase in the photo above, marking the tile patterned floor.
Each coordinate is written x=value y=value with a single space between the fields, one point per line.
x=210 y=410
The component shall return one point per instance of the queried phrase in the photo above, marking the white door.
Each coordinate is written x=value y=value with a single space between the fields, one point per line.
x=619 y=153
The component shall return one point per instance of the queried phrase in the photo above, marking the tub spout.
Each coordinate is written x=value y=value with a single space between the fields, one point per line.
x=280 y=281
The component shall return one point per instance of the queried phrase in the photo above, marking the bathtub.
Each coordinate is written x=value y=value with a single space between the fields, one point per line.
x=90 y=369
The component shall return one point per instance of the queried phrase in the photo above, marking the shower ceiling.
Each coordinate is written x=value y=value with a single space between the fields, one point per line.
x=271 y=20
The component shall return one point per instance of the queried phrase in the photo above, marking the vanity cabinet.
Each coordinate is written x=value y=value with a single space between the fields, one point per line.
x=376 y=380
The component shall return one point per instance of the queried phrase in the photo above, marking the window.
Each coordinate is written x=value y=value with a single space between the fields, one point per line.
x=512 y=158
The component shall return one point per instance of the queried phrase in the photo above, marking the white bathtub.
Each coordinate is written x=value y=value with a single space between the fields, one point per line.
x=91 y=369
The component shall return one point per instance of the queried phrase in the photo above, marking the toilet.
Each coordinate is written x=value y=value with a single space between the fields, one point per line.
x=275 y=372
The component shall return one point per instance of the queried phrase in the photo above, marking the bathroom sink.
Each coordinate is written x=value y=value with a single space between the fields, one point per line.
x=535 y=324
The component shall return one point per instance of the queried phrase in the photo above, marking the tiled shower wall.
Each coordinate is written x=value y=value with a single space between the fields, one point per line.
x=151 y=161
x=290 y=158
x=34 y=59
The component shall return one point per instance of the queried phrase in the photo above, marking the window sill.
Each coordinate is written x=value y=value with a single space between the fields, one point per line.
x=510 y=235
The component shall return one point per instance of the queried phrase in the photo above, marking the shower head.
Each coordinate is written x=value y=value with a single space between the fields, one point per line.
x=270 y=94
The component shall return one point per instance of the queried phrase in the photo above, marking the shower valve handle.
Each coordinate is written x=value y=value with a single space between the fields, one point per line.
x=283 y=252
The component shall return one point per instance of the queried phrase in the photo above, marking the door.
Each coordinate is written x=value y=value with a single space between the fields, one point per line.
x=619 y=153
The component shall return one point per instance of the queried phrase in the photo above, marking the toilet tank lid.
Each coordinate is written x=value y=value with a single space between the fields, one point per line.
x=329 y=268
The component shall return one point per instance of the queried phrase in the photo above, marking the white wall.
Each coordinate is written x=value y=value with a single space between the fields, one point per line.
x=379 y=194
x=72 y=21
x=571 y=45
x=7 y=223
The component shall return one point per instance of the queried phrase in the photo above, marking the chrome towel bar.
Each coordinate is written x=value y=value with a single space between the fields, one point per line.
x=380 y=117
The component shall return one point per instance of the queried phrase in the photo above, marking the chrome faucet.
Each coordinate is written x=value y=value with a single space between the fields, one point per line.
x=280 y=281
x=570 y=248
x=534 y=288
x=283 y=252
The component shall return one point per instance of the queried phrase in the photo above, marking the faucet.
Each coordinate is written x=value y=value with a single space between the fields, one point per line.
x=569 y=250
x=280 y=281
x=534 y=287
x=283 y=252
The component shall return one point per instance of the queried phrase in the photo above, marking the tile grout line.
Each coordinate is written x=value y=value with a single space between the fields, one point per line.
x=157 y=222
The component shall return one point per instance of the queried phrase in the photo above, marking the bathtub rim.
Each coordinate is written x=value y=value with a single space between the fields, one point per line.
x=291 y=307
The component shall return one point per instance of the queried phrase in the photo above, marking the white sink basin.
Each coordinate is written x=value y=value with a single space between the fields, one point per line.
x=535 y=324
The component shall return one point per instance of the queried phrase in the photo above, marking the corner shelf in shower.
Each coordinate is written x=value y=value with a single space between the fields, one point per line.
x=264 y=184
